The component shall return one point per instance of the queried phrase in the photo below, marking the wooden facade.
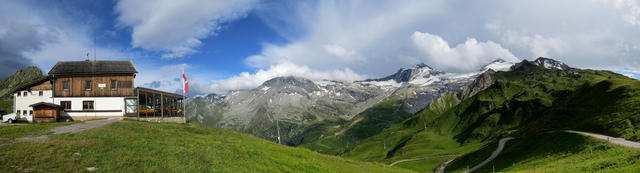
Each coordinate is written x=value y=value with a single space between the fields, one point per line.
x=44 y=85
x=100 y=86
x=45 y=112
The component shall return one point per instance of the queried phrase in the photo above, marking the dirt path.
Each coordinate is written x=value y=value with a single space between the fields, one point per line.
x=444 y=166
x=350 y=126
x=613 y=140
x=422 y=158
x=74 y=128
x=493 y=155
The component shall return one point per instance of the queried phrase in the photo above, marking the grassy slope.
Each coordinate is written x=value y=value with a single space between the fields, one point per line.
x=522 y=103
x=132 y=146
x=413 y=139
x=8 y=133
x=554 y=152
x=376 y=119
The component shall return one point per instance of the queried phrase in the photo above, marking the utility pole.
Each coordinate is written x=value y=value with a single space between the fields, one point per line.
x=278 y=128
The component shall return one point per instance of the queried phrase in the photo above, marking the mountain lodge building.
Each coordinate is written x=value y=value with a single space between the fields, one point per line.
x=81 y=90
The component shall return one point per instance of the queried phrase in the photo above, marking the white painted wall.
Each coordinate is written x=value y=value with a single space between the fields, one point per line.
x=100 y=103
x=22 y=102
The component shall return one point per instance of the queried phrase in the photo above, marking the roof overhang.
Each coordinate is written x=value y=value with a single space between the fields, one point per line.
x=45 y=104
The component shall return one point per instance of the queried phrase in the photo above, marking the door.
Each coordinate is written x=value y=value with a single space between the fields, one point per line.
x=131 y=106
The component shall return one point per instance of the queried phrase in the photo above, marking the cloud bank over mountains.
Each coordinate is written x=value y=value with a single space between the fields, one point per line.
x=331 y=39
x=248 y=80
x=375 y=39
x=471 y=52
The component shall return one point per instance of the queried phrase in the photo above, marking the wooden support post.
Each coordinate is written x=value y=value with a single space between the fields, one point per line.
x=146 y=104
x=162 y=105
x=138 y=105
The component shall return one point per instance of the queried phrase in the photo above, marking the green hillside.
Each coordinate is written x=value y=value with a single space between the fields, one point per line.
x=132 y=146
x=523 y=103
x=21 y=77
x=333 y=138
x=554 y=152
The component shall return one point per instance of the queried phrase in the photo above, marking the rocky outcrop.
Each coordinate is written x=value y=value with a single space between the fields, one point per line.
x=18 y=79
x=406 y=75
x=483 y=81
x=547 y=63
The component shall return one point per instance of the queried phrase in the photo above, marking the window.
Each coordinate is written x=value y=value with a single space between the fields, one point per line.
x=30 y=112
x=65 y=85
x=114 y=84
x=87 y=105
x=18 y=112
x=19 y=93
x=87 y=85
x=125 y=84
x=66 y=105
x=40 y=93
x=24 y=93
x=24 y=112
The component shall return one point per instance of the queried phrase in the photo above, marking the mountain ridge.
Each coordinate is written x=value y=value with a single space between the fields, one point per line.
x=296 y=104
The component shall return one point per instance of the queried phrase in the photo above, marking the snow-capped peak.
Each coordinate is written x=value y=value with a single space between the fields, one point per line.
x=420 y=66
x=498 y=65
x=551 y=63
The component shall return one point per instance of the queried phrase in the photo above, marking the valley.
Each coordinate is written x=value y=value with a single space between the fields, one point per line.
x=525 y=101
x=507 y=117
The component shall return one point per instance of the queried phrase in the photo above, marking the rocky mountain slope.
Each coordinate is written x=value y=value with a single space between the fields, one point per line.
x=531 y=100
x=18 y=79
x=292 y=105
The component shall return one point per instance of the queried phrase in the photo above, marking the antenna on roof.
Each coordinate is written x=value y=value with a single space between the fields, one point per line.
x=94 y=46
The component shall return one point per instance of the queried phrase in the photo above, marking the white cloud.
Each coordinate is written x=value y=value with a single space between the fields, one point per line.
x=471 y=52
x=177 y=27
x=630 y=8
x=246 y=80
x=536 y=44
x=342 y=53
x=369 y=38
x=325 y=34
x=45 y=36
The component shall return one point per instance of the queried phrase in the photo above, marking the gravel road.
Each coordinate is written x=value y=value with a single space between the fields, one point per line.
x=74 y=128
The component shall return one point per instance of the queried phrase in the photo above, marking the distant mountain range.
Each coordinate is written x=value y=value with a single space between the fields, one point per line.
x=535 y=102
x=297 y=103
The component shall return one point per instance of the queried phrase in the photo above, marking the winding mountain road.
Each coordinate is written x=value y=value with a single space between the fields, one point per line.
x=609 y=139
x=422 y=158
x=444 y=166
x=613 y=140
x=493 y=155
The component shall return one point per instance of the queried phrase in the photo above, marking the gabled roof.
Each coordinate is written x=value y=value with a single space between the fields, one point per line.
x=89 y=67
x=45 y=104
x=36 y=82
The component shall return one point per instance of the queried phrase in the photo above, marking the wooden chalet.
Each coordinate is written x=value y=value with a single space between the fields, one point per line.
x=81 y=90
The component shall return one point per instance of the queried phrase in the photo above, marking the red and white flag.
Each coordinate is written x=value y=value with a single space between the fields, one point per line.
x=186 y=83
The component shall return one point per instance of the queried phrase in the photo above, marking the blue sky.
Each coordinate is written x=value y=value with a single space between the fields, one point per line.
x=228 y=45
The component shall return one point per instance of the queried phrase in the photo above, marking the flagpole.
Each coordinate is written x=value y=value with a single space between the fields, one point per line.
x=184 y=99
